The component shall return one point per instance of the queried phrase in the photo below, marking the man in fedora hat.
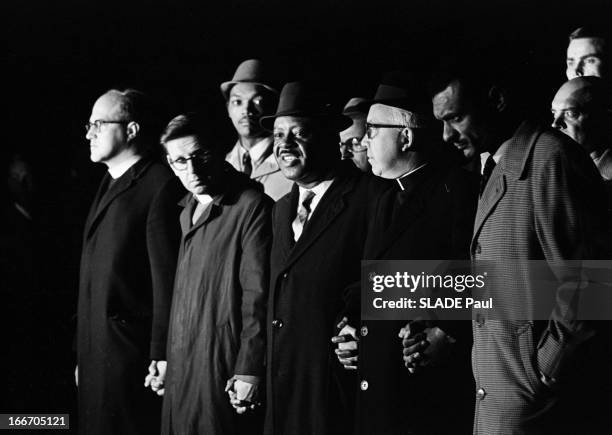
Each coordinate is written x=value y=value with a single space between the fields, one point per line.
x=428 y=216
x=319 y=230
x=249 y=96
x=351 y=147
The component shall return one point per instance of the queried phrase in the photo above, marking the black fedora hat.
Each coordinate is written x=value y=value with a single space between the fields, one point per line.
x=407 y=91
x=305 y=99
x=250 y=71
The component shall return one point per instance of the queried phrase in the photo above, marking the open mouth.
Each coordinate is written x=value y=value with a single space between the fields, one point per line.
x=288 y=156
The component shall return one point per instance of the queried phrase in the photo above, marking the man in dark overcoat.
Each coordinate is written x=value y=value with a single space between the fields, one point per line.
x=319 y=233
x=216 y=339
x=427 y=216
x=127 y=269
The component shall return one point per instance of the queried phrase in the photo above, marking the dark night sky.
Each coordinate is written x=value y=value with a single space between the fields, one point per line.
x=61 y=55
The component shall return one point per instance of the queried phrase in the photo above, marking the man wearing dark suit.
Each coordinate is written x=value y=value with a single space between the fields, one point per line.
x=319 y=233
x=541 y=199
x=127 y=270
x=428 y=216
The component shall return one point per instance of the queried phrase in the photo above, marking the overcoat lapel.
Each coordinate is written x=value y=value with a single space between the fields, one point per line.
x=331 y=205
x=510 y=167
x=122 y=184
x=287 y=207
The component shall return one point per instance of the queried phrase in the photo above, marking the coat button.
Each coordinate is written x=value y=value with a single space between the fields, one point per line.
x=364 y=385
x=481 y=393
x=478 y=248
x=284 y=275
x=364 y=331
x=277 y=323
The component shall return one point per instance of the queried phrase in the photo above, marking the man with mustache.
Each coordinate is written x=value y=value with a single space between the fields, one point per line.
x=319 y=234
x=540 y=199
x=249 y=96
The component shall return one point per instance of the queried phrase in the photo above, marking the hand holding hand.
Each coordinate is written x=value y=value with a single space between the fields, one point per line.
x=156 y=377
x=243 y=395
x=348 y=348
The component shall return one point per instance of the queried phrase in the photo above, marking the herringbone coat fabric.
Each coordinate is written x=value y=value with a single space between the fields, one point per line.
x=308 y=392
x=542 y=202
x=127 y=269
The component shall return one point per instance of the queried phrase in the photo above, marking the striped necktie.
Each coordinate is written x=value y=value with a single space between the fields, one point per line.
x=303 y=213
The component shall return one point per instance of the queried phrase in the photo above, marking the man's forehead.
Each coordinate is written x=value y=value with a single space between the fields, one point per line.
x=108 y=104
x=292 y=121
x=449 y=99
x=246 y=90
x=574 y=93
x=183 y=145
x=584 y=46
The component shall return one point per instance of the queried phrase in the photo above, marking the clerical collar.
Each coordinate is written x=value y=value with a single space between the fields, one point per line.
x=121 y=168
x=403 y=179
x=203 y=199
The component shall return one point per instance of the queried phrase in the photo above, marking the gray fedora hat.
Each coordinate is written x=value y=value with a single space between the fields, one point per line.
x=249 y=71
x=305 y=99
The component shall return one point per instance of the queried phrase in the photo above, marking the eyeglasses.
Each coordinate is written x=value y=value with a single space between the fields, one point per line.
x=353 y=144
x=197 y=158
x=370 y=128
x=98 y=123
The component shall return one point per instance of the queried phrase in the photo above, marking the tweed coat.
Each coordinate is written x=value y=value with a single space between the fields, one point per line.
x=434 y=222
x=127 y=269
x=217 y=322
x=542 y=202
x=265 y=171
x=307 y=390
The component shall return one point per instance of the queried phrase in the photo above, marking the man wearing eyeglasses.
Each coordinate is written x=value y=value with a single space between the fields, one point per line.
x=414 y=377
x=216 y=343
x=127 y=269
x=249 y=96
x=351 y=147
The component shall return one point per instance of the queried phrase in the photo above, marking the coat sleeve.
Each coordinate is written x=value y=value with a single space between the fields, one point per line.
x=163 y=238
x=566 y=216
x=254 y=280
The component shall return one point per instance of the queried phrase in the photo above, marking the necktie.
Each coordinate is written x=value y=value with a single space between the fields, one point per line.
x=247 y=166
x=486 y=174
x=303 y=213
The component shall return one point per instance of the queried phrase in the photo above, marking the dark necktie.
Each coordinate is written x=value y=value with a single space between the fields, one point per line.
x=247 y=166
x=486 y=174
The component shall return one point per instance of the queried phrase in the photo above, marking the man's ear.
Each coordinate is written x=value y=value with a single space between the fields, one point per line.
x=132 y=130
x=497 y=98
x=407 y=138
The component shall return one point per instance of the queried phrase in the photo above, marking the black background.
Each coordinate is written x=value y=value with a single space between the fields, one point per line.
x=61 y=55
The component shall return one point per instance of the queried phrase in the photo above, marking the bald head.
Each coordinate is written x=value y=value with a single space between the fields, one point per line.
x=580 y=110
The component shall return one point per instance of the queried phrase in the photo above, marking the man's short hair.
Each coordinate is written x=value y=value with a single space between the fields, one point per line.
x=588 y=32
x=476 y=81
x=192 y=124
x=139 y=107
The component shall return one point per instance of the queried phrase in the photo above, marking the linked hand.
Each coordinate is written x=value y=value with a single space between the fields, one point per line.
x=243 y=395
x=348 y=347
x=424 y=347
x=156 y=377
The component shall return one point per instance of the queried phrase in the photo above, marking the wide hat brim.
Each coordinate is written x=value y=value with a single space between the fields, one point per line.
x=337 y=121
